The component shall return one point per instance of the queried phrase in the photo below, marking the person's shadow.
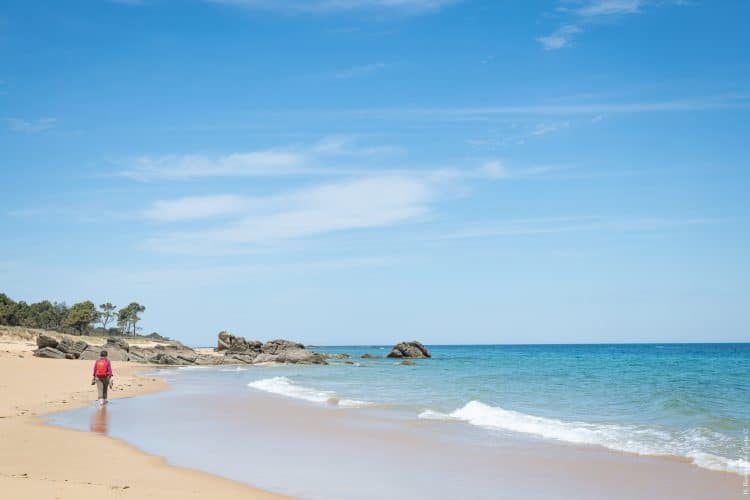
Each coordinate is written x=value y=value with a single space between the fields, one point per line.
x=100 y=420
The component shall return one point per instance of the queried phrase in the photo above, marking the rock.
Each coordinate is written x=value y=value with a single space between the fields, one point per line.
x=242 y=358
x=49 y=352
x=411 y=349
x=337 y=356
x=348 y=362
x=407 y=362
x=73 y=347
x=91 y=352
x=230 y=343
x=117 y=354
x=278 y=346
x=189 y=358
x=224 y=341
x=44 y=340
x=301 y=356
x=136 y=357
x=164 y=358
x=264 y=358
x=367 y=355
x=237 y=349
x=115 y=343
x=204 y=360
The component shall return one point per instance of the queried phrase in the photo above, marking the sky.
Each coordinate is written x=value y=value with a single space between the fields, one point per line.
x=367 y=171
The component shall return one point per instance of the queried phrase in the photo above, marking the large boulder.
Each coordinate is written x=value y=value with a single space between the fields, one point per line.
x=72 y=347
x=49 y=352
x=337 y=356
x=44 y=340
x=278 y=346
x=411 y=349
x=224 y=341
x=90 y=353
x=136 y=356
x=241 y=358
x=234 y=344
x=301 y=356
x=116 y=343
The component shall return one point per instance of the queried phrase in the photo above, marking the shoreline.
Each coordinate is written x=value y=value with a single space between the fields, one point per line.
x=367 y=445
x=39 y=460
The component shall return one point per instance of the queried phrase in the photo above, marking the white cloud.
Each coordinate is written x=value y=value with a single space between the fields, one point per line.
x=250 y=164
x=195 y=207
x=728 y=101
x=321 y=6
x=359 y=71
x=590 y=11
x=347 y=145
x=596 y=8
x=299 y=161
x=32 y=126
x=358 y=204
x=560 y=38
x=571 y=224
x=493 y=170
x=548 y=128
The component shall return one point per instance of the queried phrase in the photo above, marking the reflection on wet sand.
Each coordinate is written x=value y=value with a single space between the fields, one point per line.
x=100 y=420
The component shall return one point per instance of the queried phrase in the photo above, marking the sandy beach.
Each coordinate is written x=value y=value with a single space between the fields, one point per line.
x=38 y=461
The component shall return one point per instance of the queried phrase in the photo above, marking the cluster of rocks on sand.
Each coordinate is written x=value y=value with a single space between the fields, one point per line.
x=118 y=349
x=230 y=349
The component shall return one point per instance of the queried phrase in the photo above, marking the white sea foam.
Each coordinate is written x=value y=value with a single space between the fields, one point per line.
x=235 y=369
x=633 y=439
x=285 y=387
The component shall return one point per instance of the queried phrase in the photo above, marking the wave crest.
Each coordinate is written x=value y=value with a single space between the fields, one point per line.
x=628 y=438
x=285 y=387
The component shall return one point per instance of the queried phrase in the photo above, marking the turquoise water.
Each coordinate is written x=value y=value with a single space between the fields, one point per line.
x=686 y=400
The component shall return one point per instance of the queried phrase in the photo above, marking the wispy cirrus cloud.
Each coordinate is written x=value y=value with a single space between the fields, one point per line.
x=566 y=224
x=31 y=126
x=324 y=6
x=191 y=208
x=246 y=164
x=329 y=208
x=600 y=8
x=290 y=161
x=583 y=12
x=560 y=38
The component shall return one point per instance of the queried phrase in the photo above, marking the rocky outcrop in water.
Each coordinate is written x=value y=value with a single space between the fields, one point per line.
x=238 y=349
x=411 y=349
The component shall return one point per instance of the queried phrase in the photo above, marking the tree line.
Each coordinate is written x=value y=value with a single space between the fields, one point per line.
x=79 y=318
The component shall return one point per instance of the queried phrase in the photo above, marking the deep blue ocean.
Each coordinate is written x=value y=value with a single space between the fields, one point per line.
x=685 y=400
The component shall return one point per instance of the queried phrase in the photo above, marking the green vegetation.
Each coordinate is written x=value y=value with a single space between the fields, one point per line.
x=127 y=317
x=77 y=319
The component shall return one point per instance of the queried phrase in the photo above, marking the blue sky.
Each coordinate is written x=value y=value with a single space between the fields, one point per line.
x=366 y=171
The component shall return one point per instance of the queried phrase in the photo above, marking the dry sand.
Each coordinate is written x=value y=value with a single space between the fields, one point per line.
x=38 y=461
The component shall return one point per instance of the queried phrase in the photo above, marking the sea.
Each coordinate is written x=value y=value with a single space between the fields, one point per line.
x=684 y=401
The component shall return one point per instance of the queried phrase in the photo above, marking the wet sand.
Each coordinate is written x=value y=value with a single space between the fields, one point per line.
x=314 y=451
x=38 y=461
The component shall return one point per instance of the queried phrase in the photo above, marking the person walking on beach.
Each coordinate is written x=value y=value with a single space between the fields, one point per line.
x=102 y=376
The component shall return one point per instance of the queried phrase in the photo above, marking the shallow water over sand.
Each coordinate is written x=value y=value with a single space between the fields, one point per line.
x=212 y=420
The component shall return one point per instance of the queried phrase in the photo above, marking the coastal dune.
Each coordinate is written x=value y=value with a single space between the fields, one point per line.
x=40 y=461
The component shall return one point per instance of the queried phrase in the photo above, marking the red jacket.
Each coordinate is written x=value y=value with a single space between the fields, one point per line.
x=109 y=367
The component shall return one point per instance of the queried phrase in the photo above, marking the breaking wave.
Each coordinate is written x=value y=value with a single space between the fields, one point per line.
x=691 y=444
x=285 y=387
